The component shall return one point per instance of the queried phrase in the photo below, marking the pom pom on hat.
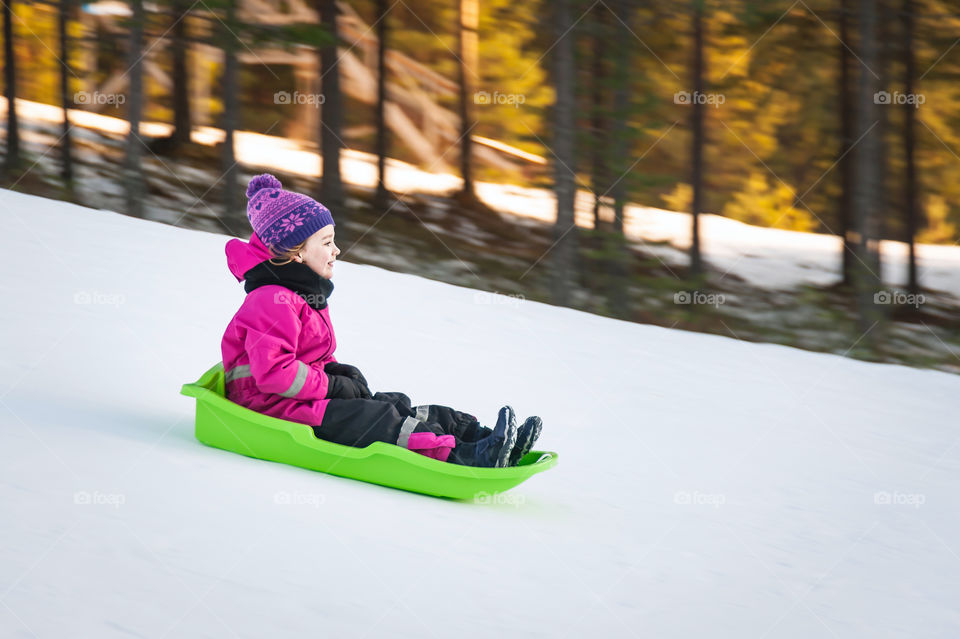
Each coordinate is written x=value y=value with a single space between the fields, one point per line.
x=263 y=181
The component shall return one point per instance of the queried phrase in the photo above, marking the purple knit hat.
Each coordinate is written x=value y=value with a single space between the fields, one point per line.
x=283 y=219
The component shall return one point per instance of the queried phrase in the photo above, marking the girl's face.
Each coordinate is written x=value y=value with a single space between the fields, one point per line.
x=320 y=252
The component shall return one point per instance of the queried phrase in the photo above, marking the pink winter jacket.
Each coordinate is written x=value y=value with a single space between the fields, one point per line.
x=276 y=346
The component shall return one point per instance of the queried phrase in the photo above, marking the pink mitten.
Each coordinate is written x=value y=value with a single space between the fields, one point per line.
x=433 y=446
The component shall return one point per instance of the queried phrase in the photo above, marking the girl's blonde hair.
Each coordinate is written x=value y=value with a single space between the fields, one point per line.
x=286 y=255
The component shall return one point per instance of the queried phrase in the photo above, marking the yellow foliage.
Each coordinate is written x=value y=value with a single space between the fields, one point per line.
x=938 y=229
x=764 y=205
x=681 y=199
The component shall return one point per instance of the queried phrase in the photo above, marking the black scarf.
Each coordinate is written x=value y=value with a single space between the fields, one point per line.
x=295 y=276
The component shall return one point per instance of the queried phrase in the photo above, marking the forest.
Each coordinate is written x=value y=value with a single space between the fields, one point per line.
x=829 y=119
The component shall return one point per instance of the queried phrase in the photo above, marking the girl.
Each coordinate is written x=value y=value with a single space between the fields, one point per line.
x=278 y=348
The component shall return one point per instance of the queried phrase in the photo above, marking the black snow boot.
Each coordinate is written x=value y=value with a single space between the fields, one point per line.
x=492 y=451
x=527 y=436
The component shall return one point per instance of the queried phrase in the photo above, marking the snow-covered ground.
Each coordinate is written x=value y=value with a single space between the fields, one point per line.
x=768 y=258
x=707 y=487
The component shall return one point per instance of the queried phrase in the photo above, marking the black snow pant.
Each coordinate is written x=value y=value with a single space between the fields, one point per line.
x=389 y=417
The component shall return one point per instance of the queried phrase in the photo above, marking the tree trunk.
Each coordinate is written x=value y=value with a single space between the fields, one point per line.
x=565 y=229
x=885 y=18
x=598 y=115
x=696 y=179
x=133 y=170
x=866 y=196
x=12 y=159
x=228 y=161
x=467 y=31
x=622 y=38
x=621 y=106
x=331 y=119
x=382 y=196
x=181 y=79
x=911 y=189
x=66 y=165
x=847 y=108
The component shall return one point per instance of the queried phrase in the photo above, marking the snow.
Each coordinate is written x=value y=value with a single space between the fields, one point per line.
x=779 y=259
x=773 y=259
x=706 y=487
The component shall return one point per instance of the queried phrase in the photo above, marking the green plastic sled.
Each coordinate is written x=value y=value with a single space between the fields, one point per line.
x=224 y=424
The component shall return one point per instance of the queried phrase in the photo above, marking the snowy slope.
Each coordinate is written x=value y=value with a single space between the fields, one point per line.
x=707 y=487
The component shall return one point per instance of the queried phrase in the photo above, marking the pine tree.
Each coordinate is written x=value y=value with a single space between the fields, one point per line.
x=696 y=125
x=565 y=228
x=467 y=23
x=912 y=203
x=133 y=169
x=12 y=159
x=66 y=164
x=845 y=158
x=331 y=122
x=381 y=124
x=180 y=74
x=230 y=115
x=867 y=204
